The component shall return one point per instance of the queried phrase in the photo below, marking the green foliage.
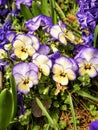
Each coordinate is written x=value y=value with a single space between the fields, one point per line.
x=25 y=12
x=96 y=37
x=6 y=104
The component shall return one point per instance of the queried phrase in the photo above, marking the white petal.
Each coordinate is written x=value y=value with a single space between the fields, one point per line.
x=45 y=69
x=23 y=88
x=60 y=79
x=62 y=38
x=71 y=75
x=55 y=30
x=91 y=72
x=57 y=69
x=65 y=62
x=35 y=42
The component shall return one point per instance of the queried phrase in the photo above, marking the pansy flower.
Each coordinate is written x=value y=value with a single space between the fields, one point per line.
x=26 y=75
x=87 y=60
x=43 y=62
x=25 y=45
x=41 y=20
x=63 y=70
x=60 y=32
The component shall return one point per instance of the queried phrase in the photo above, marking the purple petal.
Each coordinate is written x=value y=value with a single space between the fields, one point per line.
x=94 y=125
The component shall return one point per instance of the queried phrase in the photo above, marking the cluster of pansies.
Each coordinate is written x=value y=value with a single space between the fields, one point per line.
x=30 y=59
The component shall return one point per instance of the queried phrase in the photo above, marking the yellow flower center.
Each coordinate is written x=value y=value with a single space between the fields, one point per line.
x=26 y=81
x=87 y=66
x=23 y=49
x=63 y=74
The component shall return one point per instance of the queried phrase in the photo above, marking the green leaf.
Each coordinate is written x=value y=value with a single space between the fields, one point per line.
x=37 y=127
x=36 y=8
x=72 y=111
x=44 y=7
x=5 y=108
x=14 y=94
x=87 y=95
x=25 y=12
x=96 y=36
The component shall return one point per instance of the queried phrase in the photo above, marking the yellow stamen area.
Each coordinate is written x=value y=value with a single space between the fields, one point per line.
x=87 y=66
x=23 y=49
x=26 y=81
x=63 y=74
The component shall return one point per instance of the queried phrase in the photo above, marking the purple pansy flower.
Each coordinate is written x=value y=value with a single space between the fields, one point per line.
x=25 y=45
x=26 y=75
x=43 y=62
x=28 y=3
x=22 y=110
x=63 y=70
x=60 y=32
x=87 y=60
x=94 y=125
x=41 y=20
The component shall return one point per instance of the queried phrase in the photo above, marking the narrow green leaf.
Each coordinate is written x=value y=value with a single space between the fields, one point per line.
x=36 y=9
x=46 y=114
x=14 y=94
x=53 y=11
x=86 y=95
x=72 y=111
x=96 y=36
x=25 y=12
x=44 y=7
x=5 y=108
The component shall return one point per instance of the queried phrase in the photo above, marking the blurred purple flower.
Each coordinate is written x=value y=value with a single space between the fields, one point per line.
x=54 y=56
x=3 y=2
x=88 y=14
x=41 y=20
x=88 y=39
x=94 y=125
x=28 y=3
x=3 y=32
x=26 y=76
x=22 y=110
